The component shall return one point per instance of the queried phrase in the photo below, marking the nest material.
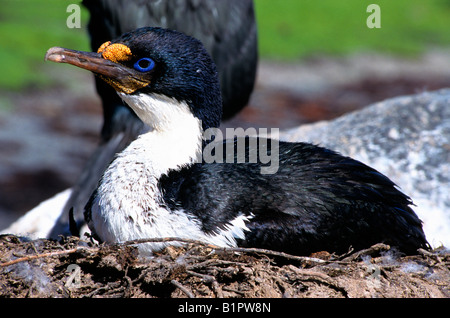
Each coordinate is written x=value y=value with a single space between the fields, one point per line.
x=77 y=268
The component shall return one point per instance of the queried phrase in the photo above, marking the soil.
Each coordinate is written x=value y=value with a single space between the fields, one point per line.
x=75 y=268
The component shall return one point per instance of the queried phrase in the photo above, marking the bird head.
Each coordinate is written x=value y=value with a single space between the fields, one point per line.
x=154 y=62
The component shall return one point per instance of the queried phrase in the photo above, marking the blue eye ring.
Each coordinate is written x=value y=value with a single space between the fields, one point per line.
x=144 y=64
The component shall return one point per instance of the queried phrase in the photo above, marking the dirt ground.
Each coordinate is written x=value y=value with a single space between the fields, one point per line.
x=76 y=268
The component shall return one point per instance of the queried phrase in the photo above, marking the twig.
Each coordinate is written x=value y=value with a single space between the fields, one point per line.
x=182 y=288
x=110 y=287
x=31 y=257
x=128 y=291
x=228 y=289
x=209 y=279
x=430 y=255
x=42 y=255
x=229 y=249
x=168 y=239
x=368 y=251
x=319 y=277
x=213 y=262
x=34 y=248
x=275 y=253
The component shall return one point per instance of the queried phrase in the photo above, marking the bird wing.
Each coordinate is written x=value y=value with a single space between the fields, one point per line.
x=318 y=200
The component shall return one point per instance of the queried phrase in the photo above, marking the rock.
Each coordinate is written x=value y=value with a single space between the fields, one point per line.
x=408 y=139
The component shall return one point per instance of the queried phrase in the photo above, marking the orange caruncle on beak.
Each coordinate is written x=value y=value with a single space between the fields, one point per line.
x=115 y=52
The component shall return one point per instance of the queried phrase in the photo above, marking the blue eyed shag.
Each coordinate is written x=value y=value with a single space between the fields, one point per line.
x=316 y=200
x=228 y=31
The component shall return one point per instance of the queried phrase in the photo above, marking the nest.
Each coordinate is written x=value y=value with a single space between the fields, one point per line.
x=77 y=268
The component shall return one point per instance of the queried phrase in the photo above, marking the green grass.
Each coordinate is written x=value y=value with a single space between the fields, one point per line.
x=27 y=29
x=288 y=29
x=291 y=29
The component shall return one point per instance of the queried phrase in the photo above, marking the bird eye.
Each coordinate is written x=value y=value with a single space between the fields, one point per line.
x=144 y=64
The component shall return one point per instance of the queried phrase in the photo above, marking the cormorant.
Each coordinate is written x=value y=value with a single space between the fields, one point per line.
x=229 y=33
x=162 y=186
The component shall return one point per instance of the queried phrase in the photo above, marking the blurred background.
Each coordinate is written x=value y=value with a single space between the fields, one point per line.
x=318 y=60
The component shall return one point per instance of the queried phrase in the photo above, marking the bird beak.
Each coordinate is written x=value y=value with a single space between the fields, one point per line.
x=122 y=78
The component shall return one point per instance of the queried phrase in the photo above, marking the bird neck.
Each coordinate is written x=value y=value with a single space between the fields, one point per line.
x=175 y=138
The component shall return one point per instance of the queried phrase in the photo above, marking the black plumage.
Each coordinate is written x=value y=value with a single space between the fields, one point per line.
x=318 y=200
x=226 y=28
